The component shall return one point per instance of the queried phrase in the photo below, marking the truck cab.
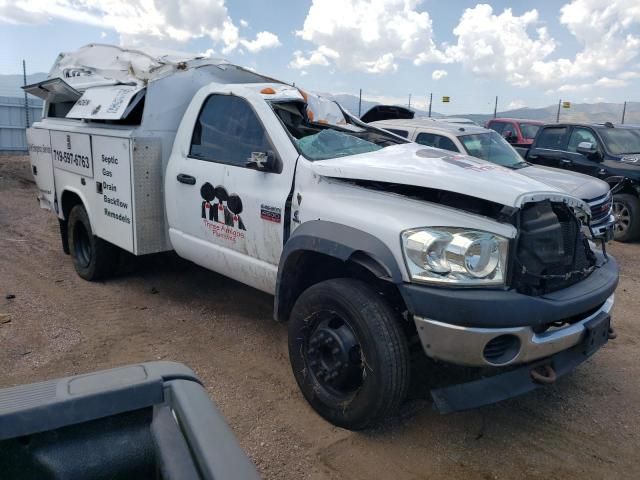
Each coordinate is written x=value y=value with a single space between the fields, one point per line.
x=370 y=245
x=606 y=151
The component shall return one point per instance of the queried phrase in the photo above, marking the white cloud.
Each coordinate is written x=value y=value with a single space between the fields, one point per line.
x=514 y=104
x=607 y=31
x=501 y=45
x=263 y=40
x=366 y=35
x=244 y=23
x=159 y=22
x=103 y=34
x=439 y=74
x=610 y=82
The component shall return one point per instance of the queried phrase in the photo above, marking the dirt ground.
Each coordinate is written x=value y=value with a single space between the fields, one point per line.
x=586 y=426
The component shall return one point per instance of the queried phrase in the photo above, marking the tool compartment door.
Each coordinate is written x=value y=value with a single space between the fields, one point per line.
x=39 y=144
x=112 y=174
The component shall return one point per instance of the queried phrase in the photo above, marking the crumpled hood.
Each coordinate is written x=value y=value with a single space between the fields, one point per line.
x=417 y=165
x=577 y=184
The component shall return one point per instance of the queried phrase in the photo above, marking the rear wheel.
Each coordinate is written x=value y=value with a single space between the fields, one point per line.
x=348 y=353
x=93 y=258
x=626 y=209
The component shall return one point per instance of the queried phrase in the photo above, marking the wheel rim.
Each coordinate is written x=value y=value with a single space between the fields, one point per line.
x=333 y=356
x=82 y=245
x=622 y=215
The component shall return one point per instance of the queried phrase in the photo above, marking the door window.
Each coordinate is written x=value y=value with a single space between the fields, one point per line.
x=436 y=141
x=553 y=138
x=402 y=133
x=497 y=126
x=580 y=135
x=228 y=131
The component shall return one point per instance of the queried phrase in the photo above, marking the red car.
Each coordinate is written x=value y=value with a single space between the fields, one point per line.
x=519 y=133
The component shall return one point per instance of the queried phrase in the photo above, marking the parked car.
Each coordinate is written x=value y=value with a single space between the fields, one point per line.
x=370 y=244
x=606 y=151
x=456 y=120
x=488 y=145
x=518 y=132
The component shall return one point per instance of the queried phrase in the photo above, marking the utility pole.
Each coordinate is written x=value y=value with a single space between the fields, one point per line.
x=26 y=101
x=495 y=108
x=360 y=104
x=624 y=110
x=558 y=114
x=430 y=102
x=409 y=106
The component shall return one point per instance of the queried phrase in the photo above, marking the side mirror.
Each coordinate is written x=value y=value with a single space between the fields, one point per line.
x=264 y=162
x=587 y=149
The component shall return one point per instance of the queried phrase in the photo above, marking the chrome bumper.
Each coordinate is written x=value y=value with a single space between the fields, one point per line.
x=466 y=345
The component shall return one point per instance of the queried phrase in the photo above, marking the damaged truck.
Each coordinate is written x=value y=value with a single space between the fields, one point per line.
x=372 y=246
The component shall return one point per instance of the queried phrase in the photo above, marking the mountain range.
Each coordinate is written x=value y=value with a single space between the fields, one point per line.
x=580 y=112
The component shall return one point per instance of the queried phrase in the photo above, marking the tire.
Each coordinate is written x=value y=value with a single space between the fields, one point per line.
x=370 y=367
x=93 y=258
x=626 y=208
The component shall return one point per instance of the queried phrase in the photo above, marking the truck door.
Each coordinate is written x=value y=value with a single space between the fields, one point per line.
x=39 y=144
x=578 y=162
x=224 y=214
x=550 y=146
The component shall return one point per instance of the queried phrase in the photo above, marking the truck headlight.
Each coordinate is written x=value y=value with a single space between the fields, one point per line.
x=455 y=256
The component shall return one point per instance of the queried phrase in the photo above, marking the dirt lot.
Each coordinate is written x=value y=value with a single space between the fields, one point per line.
x=586 y=426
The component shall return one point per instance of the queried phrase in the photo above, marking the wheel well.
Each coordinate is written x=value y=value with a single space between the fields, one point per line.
x=68 y=201
x=306 y=268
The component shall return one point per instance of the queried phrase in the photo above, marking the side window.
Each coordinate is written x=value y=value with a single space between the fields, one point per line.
x=436 y=141
x=227 y=131
x=581 y=135
x=497 y=126
x=402 y=133
x=553 y=137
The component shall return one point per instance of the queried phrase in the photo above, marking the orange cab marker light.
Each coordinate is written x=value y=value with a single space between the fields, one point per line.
x=268 y=91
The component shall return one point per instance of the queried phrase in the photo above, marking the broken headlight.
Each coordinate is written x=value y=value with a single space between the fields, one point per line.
x=455 y=256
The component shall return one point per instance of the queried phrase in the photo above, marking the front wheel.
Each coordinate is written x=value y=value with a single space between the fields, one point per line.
x=348 y=353
x=93 y=258
x=626 y=210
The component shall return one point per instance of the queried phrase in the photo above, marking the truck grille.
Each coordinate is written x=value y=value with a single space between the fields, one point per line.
x=551 y=251
x=601 y=208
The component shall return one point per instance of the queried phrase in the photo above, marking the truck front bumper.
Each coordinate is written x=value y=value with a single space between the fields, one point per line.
x=492 y=347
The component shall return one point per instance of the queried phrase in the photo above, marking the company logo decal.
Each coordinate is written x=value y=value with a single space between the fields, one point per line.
x=220 y=212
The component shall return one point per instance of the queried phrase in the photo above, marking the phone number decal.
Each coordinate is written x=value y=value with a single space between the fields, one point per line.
x=71 y=158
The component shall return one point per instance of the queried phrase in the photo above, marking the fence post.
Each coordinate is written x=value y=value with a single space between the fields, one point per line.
x=360 y=104
x=624 y=110
x=495 y=108
x=409 y=106
x=558 y=114
x=430 y=102
x=26 y=101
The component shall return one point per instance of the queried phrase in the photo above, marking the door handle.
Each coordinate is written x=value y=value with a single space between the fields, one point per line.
x=566 y=162
x=188 y=179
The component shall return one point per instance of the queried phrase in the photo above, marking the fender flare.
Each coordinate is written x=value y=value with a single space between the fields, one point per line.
x=338 y=241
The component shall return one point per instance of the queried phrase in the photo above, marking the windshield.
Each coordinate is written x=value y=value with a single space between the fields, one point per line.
x=529 y=130
x=492 y=147
x=332 y=144
x=321 y=130
x=620 y=141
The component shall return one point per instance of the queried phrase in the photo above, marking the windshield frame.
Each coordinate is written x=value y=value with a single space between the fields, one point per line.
x=521 y=163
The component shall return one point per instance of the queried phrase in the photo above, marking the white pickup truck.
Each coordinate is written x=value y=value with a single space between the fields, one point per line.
x=371 y=245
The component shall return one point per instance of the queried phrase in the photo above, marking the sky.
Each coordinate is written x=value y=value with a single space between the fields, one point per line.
x=526 y=53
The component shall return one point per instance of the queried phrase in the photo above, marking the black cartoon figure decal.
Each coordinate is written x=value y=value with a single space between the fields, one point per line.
x=220 y=207
x=235 y=207
x=208 y=194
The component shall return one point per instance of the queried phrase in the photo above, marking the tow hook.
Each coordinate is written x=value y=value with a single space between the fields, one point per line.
x=544 y=374
x=612 y=334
